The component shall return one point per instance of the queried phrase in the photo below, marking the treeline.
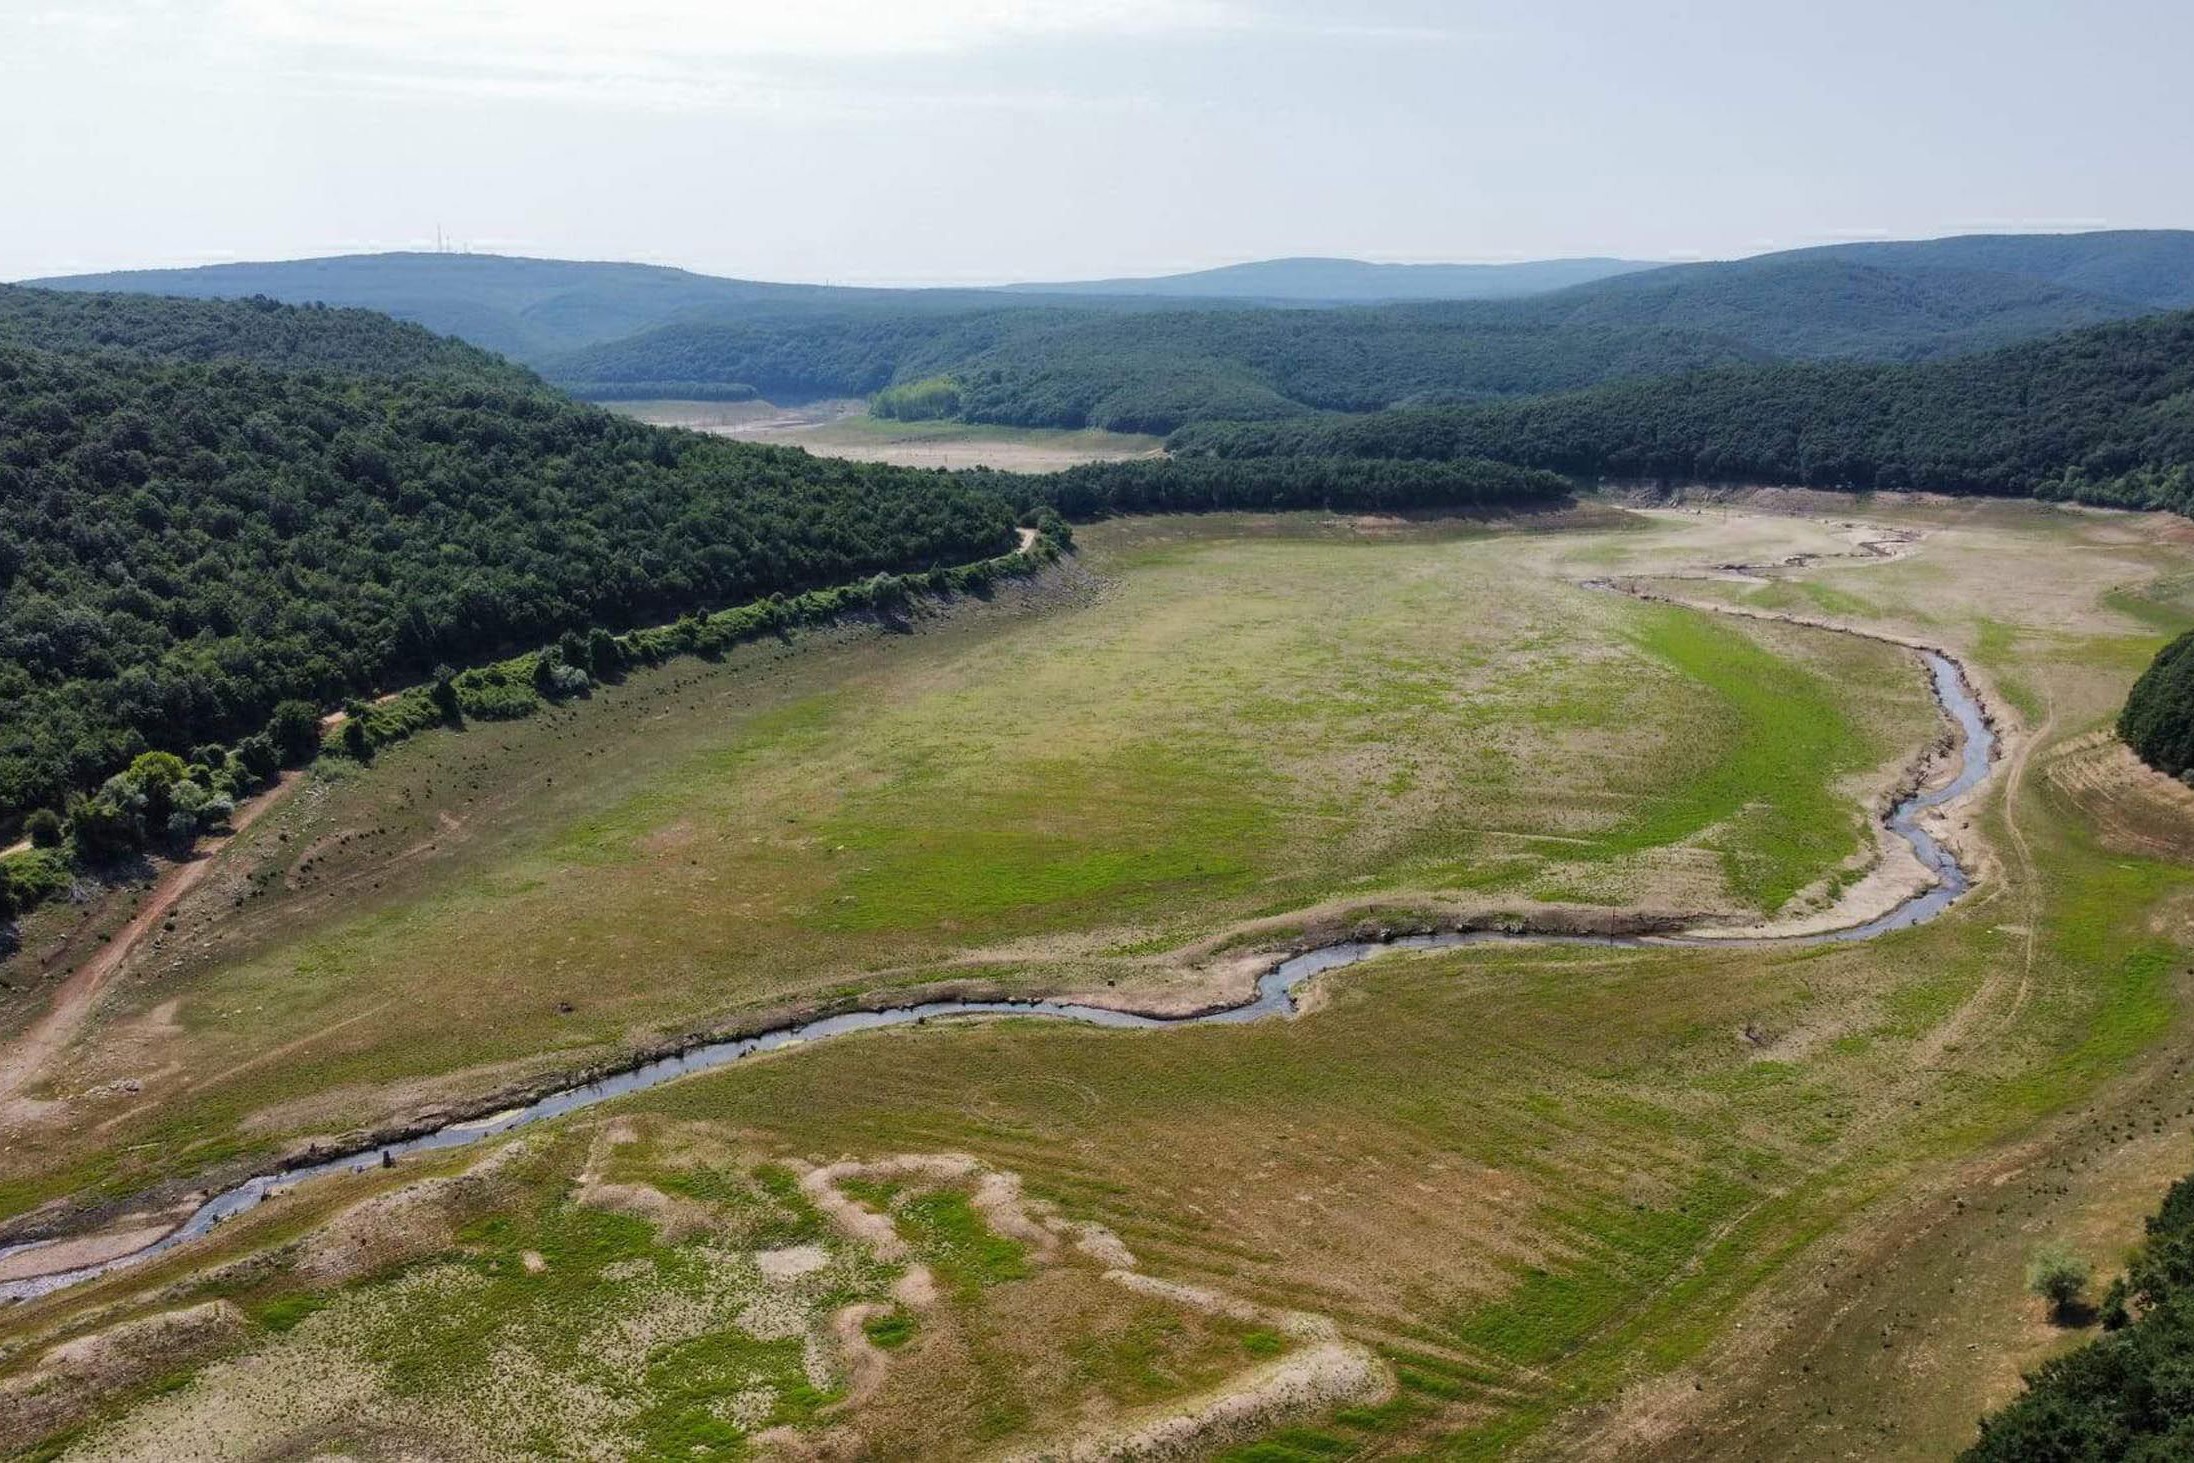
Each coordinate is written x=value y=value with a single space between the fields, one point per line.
x=187 y=545
x=2103 y=415
x=1271 y=485
x=259 y=331
x=2125 y=1395
x=2157 y=721
x=1134 y=371
x=661 y=390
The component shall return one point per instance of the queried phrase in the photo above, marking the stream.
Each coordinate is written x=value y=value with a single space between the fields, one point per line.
x=1274 y=997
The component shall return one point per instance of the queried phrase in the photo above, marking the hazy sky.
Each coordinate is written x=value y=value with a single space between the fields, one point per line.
x=920 y=141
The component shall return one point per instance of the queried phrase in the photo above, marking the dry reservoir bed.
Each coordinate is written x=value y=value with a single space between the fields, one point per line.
x=1518 y=1181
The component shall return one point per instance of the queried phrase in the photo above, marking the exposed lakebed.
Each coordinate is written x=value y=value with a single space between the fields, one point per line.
x=1274 y=996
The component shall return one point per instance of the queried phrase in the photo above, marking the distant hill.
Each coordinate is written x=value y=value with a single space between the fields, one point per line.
x=1352 y=281
x=1228 y=343
x=521 y=308
x=2103 y=415
x=1825 y=306
x=1145 y=371
x=2153 y=266
x=258 y=330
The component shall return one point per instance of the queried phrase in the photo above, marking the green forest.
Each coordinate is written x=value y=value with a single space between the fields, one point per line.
x=283 y=337
x=2158 y=719
x=2104 y=415
x=2124 y=1395
x=1132 y=371
x=191 y=543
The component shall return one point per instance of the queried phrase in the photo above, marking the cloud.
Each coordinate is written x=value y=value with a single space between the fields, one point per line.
x=556 y=33
x=810 y=59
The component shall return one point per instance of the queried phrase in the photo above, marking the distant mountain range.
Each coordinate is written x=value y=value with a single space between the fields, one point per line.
x=1265 y=339
x=1352 y=281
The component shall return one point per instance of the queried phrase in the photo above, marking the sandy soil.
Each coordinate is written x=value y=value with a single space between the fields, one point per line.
x=842 y=428
x=1323 y=1371
x=87 y=1249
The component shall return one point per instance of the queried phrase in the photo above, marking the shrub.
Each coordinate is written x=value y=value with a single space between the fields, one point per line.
x=44 y=828
x=294 y=731
x=357 y=744
x=2060 y=1277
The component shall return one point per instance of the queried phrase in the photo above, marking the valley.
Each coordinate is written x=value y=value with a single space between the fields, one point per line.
x=1462 y=732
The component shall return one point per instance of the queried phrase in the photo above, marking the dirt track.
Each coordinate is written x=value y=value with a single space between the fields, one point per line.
x=29 y=1055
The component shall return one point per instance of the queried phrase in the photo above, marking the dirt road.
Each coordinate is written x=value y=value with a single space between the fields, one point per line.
x=29 y=1055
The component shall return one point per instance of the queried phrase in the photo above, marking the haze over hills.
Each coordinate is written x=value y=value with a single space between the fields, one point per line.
x=522 y=308
x=2153 y=266
x=1353 y=281
x=1223 y=344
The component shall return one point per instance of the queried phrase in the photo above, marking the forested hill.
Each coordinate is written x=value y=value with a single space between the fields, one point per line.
x=2103 y=415
x=1134 y=371
x=526 y=309
x=1829 y=306
x=2152 y=266
x=259 y=331
x=1152 y=370
x=520 y=307
x=189 y=543
x=194 y=536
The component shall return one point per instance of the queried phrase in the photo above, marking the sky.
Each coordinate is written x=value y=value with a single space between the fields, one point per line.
x=979 y=141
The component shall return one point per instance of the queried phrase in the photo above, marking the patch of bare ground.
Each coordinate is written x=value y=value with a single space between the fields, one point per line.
x=48 y=1257
x=74 y=1377
x=416 y=1220
x=2135 y=808
x=1322 y=1370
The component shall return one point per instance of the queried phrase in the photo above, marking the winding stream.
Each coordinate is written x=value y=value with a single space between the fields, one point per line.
x=1274 y=997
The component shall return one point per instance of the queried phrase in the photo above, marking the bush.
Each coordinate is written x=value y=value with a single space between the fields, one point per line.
x=357 y=745
x=2060 y=1277
x=294 y=731
x=44 y=828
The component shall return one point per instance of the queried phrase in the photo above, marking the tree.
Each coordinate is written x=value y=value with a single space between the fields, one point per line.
x=294 y=730
x=2060 y=1277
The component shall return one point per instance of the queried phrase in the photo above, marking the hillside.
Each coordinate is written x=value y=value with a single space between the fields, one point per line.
x=258 y=331
x=1351 y=281
x=2103 y=415
x=197 y=535
x=1149 y=369
x=1139 y=371
x=522 y=308
x=192 y=542
x=1823 y=307
x=2152 y=266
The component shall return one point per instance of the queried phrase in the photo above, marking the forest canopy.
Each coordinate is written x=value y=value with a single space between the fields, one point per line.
x=2104 y=415
x=189 y=544
x=2158 y=719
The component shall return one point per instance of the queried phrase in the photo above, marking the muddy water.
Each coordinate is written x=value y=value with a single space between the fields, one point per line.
x=1274 y=997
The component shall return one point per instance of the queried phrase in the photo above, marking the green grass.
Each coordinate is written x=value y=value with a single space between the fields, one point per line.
x=1130 y=773
x=1762 y=781
x=1530 y=1176
x=966 y=1253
